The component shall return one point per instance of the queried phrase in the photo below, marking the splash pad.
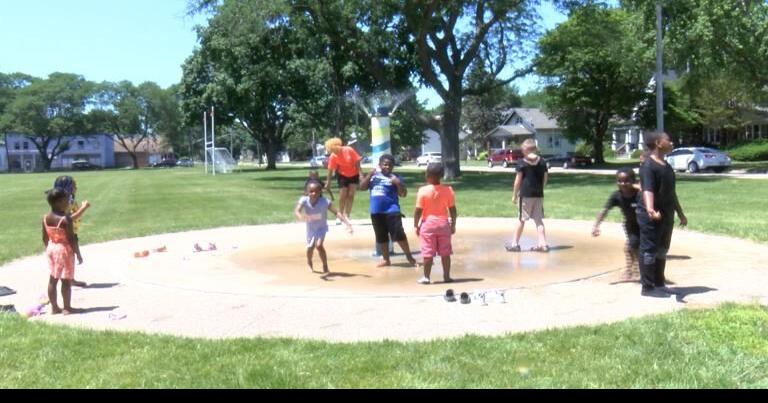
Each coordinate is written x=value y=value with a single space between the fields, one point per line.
x=256 y=283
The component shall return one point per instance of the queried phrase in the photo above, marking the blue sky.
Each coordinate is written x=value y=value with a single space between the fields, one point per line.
x=114 y=40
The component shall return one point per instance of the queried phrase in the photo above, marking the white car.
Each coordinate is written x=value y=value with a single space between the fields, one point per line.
x=428 y=158
x=319 y=161
x=694 y=159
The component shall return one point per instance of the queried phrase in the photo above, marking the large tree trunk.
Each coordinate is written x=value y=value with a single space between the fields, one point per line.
x=597 y=144
x=134 y=158
x=450 y=138
x=271 y=151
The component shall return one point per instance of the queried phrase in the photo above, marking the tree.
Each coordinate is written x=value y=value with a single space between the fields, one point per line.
x=47 y=111
x=596 y=69
x=242 y=70
x=134 y=114
x=534 y=99
x=437 y=40
x=445 y=50
x=483 y=113
x=705 y=37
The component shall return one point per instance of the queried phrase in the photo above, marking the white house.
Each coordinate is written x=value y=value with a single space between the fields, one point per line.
x=433 y=144
x=23 y=156
x=524 y=123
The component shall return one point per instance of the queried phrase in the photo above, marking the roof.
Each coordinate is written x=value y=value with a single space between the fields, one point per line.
x=535 y=117
x=515 y=130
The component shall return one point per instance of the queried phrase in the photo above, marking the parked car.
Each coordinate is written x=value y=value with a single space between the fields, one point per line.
x=505 y=158
x=428 y=158
x=319 y=161
x=82 y=165
x=166 y=163
x=568 y=160
x=185 y=162
x=694 y=159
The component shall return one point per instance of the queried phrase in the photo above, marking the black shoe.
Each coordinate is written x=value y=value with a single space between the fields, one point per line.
x=655 y=293
x=465 y=298
x=449 y=296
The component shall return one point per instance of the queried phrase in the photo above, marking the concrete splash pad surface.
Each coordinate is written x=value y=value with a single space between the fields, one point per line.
x=256 y=283
x=479 y=261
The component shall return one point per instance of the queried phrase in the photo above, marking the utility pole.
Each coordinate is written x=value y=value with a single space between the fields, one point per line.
x=659 y=79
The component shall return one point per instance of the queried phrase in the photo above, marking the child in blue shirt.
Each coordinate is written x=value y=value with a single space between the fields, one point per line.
x=385 y=187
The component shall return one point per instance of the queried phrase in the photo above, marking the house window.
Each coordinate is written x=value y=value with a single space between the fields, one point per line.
x=550 y=141
x=756 y=132
x=16 y=146
x=518 y=120
x=557 y=142
x=26 y=145
x=80 y=144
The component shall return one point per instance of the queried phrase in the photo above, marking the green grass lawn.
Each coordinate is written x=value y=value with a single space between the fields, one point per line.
x=721 y=348
x=724 y=347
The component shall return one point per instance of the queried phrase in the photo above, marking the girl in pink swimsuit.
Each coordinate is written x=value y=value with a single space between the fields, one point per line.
x=60 y=250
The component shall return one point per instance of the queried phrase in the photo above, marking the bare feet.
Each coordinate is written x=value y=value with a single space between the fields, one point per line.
x=447 y=280
x=311 y=269
x=384 y=263
x=77 y=283
x=70 y=310
x=413 y=262
x=55 y=310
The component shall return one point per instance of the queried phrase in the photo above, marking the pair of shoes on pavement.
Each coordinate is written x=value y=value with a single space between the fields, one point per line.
x=451 y=297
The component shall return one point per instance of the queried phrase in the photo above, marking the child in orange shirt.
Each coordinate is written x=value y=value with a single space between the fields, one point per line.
x=433 y=204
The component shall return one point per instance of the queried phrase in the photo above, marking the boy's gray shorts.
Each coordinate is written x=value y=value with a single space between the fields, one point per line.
x=531 y=208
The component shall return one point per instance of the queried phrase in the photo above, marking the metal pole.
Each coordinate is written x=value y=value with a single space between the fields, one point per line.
x=213 y=142
x=205 y=141
x=659 y=79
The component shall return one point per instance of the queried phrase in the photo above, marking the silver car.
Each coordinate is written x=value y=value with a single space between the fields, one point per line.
x=695 y=159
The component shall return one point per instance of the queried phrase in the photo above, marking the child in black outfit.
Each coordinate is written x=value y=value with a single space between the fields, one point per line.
x=626 y=199
x=656 y=214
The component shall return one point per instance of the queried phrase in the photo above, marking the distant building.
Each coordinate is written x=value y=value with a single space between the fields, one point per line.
x=21 y=154
x=149 y=152
x=525 y=123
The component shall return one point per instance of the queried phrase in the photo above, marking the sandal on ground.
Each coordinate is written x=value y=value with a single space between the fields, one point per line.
x=540 y=249
x=515 y=248
x=465 y=298
x=449 y=296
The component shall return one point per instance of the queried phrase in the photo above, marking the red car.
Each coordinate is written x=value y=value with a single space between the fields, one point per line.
x=505 y=158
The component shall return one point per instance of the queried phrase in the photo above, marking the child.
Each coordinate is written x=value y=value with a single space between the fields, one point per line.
x=626 y=199
x=656 y=214
x=315 y=177
x=60 y=249
x=386 y=187
x=315 y=213
x=75 y=211
x=433 y=204
x=345 y=162
x=529 y=190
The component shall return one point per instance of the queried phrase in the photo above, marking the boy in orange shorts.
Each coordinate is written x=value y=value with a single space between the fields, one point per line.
x=433 y=204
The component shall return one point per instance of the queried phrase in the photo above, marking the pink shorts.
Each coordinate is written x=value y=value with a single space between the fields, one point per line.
x=435 y=238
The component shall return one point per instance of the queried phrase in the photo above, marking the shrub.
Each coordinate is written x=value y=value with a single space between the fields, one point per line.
x=756 y=150
x=636 y=154
x=483 y=156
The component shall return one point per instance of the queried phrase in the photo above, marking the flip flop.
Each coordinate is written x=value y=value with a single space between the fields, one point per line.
x=465 y=298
